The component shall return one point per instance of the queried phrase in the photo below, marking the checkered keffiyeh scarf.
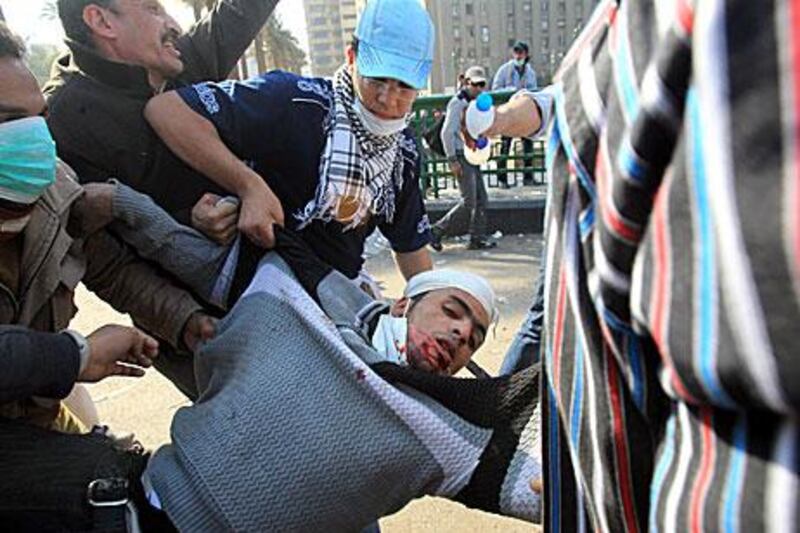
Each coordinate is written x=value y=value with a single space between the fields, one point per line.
x=358 y=171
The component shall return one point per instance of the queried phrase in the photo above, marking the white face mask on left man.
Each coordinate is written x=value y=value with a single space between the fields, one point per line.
x=376 y=125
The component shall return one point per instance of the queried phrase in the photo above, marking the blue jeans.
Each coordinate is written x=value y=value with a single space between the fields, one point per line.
x=524 y=350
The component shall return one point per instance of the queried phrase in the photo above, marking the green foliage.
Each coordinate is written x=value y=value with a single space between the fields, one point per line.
x=40 y=59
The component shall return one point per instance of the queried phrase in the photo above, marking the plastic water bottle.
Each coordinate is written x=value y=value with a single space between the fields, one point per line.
x=480 y=115
x=481 y=153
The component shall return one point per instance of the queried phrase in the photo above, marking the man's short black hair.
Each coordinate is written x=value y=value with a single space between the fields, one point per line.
x=10 y=45
x=71 y=14
x=521 y=46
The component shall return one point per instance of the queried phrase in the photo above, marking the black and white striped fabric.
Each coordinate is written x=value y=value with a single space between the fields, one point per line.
x=359 y=173
x=671 y=398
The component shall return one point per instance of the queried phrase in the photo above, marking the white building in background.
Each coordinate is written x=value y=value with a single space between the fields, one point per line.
x=330 y=25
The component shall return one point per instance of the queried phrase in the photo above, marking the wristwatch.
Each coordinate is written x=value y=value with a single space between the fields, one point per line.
x=83 y=347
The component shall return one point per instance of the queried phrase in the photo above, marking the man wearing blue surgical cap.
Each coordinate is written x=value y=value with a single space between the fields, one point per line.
x=330 y=158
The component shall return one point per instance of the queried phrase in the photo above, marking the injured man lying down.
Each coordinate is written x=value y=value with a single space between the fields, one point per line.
x=321 y=408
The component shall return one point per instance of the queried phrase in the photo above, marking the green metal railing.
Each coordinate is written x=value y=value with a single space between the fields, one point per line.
x=436 y=174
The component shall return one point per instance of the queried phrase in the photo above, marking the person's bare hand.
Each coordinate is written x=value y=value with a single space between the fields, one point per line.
x=260 y=210
x=456 y=169
x=216 y=219
x=118 y=351
x=536 y=486
x=199 y=327
x=95 y=208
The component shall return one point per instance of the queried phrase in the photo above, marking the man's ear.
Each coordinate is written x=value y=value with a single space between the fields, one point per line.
x=399 y=306
x=350 y=54
x=95 y=17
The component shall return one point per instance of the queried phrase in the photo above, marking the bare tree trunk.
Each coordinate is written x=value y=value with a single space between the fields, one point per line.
x=261 y=60
x=243 y=66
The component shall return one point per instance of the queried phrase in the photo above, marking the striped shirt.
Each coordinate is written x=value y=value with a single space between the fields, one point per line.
x=673 y=272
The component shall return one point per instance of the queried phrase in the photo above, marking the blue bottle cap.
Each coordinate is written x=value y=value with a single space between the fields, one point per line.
x=484 y=102
x=481 y=143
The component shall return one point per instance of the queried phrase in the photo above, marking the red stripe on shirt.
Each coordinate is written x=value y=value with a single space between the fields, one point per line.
x=685 y=16
x=660 y=299
x=558 y=326
x=700 y=489
x=620 y=443
x=611 y=217
x=794 y=51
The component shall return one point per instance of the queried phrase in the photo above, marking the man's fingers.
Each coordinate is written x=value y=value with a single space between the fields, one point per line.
x=225 y=223
x=277 y=216
x=208 y=200
x=267 y=235
x=227 y=236
x=150 y=347
x=225 y=209
x=127 y=371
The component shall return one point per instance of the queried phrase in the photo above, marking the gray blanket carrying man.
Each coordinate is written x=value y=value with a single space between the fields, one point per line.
x=310 y=377
x=436 y=326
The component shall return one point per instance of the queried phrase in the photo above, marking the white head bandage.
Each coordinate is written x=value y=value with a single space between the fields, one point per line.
x=472 y=284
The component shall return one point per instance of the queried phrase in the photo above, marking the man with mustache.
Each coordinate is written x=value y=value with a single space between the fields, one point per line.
x=121 y=54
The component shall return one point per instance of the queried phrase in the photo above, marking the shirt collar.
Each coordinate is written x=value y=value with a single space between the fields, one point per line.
x=129 y=78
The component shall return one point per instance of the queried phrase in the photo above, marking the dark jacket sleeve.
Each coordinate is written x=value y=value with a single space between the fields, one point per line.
x=36 y=364
x=131 y=285
x=211 y=48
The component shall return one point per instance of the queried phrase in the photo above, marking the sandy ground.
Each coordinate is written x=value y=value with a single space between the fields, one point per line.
x=146 y=406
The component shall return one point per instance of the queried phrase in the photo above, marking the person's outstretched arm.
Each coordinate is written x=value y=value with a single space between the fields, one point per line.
x=211 y=48
x=196 y=140
x=44 y=364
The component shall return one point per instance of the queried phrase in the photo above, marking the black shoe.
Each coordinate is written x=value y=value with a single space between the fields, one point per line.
x=436 y=239
x=481 y=244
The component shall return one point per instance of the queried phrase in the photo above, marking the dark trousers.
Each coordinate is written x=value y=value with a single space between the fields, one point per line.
x=505 y=148
x=471 y=206
x=64 y=482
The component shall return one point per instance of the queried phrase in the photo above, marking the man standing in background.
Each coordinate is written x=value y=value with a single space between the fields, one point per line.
x=516 y=74
x=473 y=200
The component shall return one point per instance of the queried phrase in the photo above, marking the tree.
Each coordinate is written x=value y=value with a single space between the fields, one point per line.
x=280 y=47
x=2 y=17
x=40 y=60
x=273 y=47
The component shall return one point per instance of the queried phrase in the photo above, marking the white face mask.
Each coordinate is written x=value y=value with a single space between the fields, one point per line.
x=390 y=338
x=519 y=62
x=15 y=225
x=376 y=125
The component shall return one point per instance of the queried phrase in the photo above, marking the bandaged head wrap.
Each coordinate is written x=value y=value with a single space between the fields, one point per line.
x=472 y=284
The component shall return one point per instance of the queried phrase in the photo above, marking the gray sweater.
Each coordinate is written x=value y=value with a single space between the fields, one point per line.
x=451 y=129
x=299 y=426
